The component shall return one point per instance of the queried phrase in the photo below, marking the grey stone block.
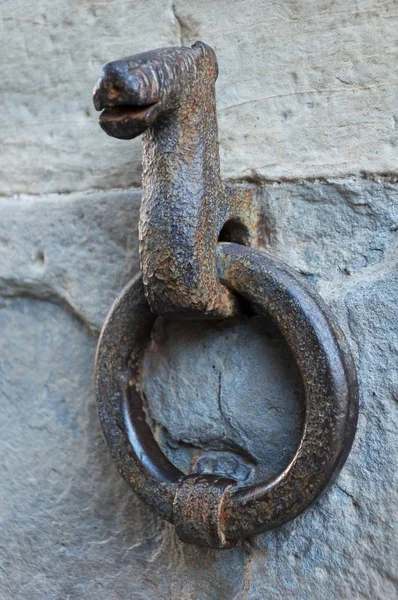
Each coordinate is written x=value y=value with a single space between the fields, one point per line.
x=71 y=528
x=77 y=250
x=305 y=89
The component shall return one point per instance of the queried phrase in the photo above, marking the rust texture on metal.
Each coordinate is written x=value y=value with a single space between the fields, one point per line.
x=197 y=510
x=168 y=95
x=328 y=374
x=198 y=258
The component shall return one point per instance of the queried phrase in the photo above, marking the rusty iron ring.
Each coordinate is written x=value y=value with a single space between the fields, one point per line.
x=213 y=511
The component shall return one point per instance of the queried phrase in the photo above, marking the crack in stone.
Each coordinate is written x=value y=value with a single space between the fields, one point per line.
x=256 y=178
x=165 y=438
x=354 y=500
x=253 y=178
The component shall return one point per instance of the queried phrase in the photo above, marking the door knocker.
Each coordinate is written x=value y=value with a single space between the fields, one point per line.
x=200 y=252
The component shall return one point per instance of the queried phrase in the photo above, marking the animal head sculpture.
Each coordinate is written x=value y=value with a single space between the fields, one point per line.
x=137 y=91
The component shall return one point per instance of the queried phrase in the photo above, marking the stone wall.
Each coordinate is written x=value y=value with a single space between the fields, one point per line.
x=307 y=100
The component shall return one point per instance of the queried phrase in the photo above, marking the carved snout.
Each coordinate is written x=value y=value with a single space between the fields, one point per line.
x=130 y=100
x=132 y=92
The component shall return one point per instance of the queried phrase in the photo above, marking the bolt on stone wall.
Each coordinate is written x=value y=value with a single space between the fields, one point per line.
x=316 y=107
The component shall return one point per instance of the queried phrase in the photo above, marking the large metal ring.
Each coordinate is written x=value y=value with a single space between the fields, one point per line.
x=214 y=511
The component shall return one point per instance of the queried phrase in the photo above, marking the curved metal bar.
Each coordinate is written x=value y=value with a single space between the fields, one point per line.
x=139 y=459
x=329 y=378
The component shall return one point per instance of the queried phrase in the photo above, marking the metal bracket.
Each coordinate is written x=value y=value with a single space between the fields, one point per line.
x=168 y=95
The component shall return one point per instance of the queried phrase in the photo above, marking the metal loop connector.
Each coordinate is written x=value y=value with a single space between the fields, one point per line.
x=198 y=510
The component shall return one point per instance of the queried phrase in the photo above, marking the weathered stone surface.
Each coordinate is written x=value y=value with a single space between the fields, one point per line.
x=333 y=231
x=52 y=56
x=77 y=250
x=237 y=383
x=71 y=528
x=306 y=89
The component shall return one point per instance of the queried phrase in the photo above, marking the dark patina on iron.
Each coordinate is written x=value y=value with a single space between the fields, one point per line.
x=168 y=95
x=198 y=257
